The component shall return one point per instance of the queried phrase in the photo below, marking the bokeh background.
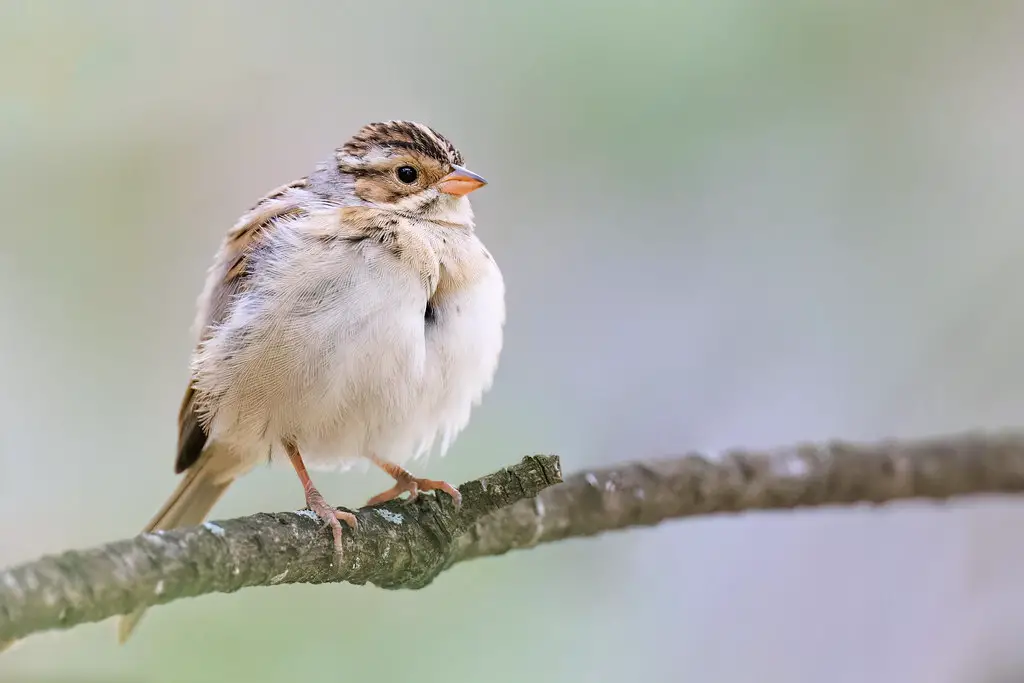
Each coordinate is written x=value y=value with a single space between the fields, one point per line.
x=721 y=224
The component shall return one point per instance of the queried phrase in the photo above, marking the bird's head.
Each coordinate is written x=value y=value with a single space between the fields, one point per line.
x=410 y=169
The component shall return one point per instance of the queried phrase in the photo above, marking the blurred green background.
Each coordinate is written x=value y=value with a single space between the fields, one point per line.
x=721 y=223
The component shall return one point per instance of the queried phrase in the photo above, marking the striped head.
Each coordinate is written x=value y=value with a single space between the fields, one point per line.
x=408 y=168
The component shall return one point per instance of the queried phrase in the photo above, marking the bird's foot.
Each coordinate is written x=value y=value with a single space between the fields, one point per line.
x=405 y=482
x=331 y=516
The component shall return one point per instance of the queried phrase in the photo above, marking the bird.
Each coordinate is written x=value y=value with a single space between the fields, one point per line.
x=350 y=317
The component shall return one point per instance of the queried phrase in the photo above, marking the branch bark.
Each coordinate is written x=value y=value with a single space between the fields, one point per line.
x=407 y=545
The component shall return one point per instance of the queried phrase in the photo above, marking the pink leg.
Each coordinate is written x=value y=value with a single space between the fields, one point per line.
x=328 y=513
x=406 y=482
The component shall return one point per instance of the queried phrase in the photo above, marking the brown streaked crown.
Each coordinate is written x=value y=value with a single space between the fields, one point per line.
x=374 y=156
x=402 y=136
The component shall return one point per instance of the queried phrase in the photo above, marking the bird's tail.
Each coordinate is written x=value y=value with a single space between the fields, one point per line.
x=195 y=496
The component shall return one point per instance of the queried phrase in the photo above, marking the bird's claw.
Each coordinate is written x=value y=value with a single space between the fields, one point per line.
x=413 y=485
x=331 y=516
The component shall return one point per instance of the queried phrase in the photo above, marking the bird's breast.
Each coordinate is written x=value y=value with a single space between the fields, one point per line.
x=463 y=329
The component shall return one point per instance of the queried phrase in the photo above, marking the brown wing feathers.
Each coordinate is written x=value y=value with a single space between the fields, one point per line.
x=232 y=265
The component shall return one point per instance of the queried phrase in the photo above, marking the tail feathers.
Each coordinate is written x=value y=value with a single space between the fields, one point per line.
x=190 y=503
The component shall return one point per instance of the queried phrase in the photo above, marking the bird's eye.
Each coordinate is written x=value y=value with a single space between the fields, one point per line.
x=407 y=174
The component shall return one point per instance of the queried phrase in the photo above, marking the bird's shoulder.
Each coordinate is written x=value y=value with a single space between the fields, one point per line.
x=230 y=273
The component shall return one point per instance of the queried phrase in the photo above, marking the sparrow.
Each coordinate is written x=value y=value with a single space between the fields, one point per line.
x=351 y=316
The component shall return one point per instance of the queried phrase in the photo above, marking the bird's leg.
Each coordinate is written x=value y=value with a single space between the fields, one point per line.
x=325 y=511
x=406 y=482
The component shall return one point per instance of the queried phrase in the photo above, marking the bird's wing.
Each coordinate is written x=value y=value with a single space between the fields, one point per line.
x=227 y=278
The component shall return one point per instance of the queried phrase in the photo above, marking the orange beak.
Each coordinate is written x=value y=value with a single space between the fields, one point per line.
x=460 y=182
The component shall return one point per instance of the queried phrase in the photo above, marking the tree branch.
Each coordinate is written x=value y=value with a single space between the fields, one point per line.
x=804 y=475
x=397 y=545
x=407 y=546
